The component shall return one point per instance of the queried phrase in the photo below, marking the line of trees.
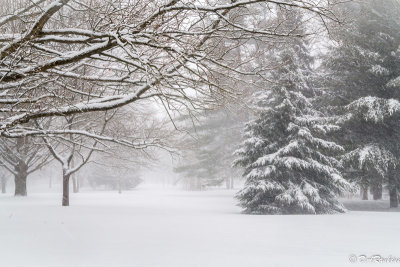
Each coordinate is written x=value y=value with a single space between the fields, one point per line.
x=61 y=60
x=322 y=123
x=327 y=128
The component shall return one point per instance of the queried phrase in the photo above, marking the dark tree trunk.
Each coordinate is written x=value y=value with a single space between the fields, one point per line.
x=393 y=198
x=364 y=192
x=377 y=191
x=20 y=184
x=394 y=201
x=21 y=171
x=65 y=198
x=20 y=177
x=3 y=185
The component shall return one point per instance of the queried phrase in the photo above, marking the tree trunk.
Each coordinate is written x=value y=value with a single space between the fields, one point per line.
x=227 y=182
x=20 y=184
x=393 y=198
x=3 y=184
x=364 y=192
x=199 y=185
x=65 y=198
x=74 y=184
x=20 y=179
x=21 y=171
x=394 y=201
x=74 y=179
x=377 y=191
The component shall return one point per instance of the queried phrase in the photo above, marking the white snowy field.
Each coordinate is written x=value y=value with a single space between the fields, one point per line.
x=153 y=227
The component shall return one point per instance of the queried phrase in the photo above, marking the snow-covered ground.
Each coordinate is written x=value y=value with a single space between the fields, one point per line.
x=154 y=227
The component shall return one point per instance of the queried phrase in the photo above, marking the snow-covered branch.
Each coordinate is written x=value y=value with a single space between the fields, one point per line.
x=172 y=50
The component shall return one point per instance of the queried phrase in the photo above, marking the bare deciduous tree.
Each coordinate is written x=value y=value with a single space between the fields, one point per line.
x=120 y=52
x=21 y=157
x=71 y=150
x=102 y=132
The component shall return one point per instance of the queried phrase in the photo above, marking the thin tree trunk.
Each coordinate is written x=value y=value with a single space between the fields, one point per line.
x=198 y=184
x=376 y=186
x=393 y=198
x=228 y=182
x=74 y=184
x=364 y=192
x=65 y=198
x=3 y=185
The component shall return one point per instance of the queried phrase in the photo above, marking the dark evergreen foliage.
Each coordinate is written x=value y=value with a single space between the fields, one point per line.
x=361 y=78
x=289 y=167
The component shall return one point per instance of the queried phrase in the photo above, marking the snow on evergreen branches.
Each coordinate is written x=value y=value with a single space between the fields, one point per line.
x=378 y=70
x=373 y=109
x=370 y=156
x=289 y=166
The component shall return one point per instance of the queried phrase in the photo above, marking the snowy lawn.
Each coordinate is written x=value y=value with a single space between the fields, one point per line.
x=151 y=227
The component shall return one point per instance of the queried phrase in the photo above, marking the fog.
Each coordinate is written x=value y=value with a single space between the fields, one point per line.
x=199 y=133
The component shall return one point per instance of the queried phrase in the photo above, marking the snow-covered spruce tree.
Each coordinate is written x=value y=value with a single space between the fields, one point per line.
x=199 y=167
x=207 y=151
x=372 y=124
x=289 y=168
x=361 y=80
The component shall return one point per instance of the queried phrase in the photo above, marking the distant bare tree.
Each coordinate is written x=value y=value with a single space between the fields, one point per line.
x=3 y=181
x=21 y=157
x=102 y=132
x=73 y=151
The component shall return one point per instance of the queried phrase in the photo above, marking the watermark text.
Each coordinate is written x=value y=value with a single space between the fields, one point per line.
x=353 y=258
